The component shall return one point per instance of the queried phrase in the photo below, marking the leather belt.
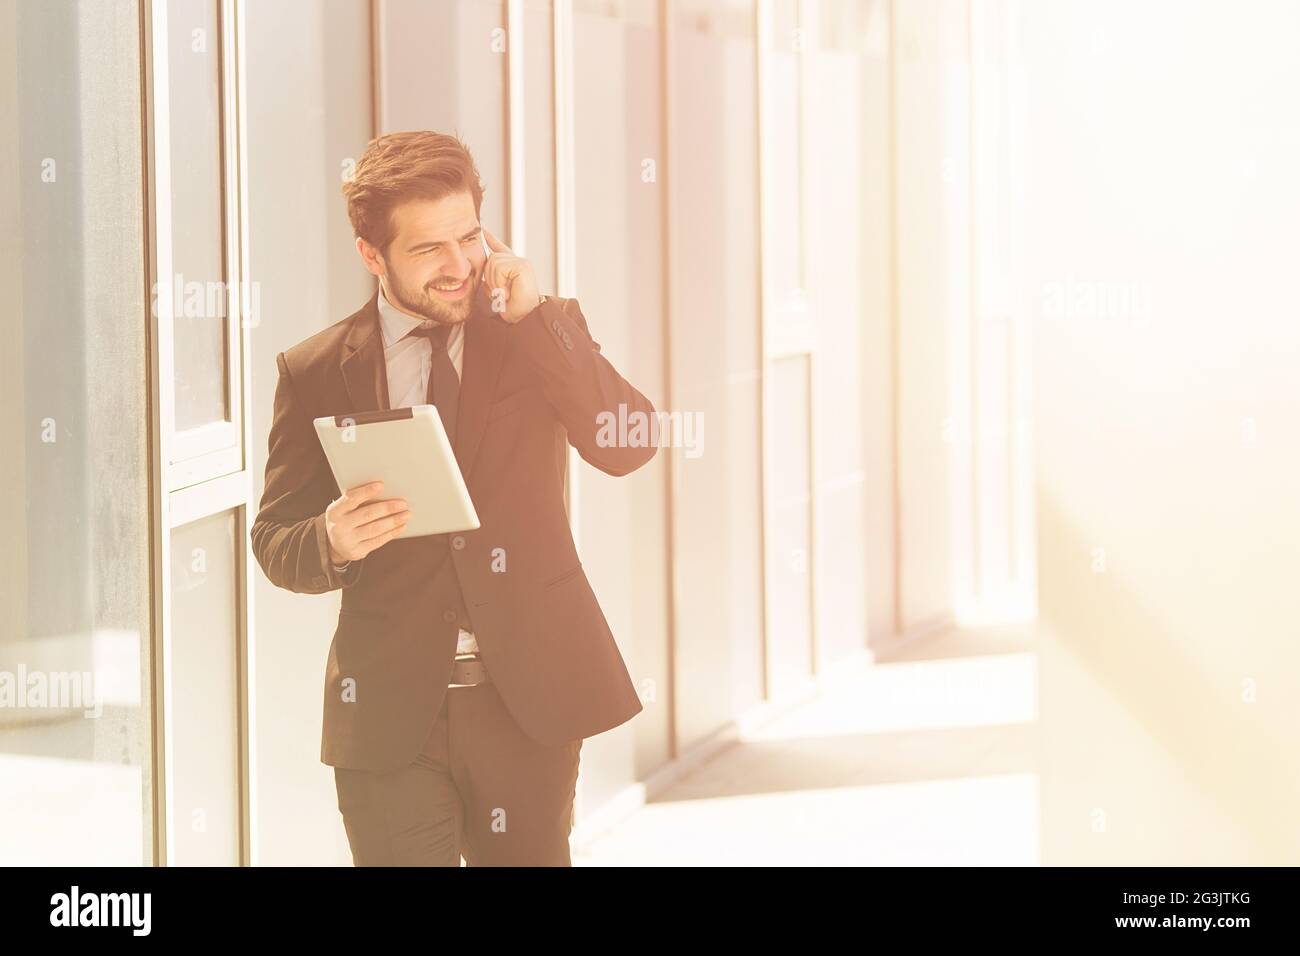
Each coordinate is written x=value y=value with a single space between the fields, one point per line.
x=468 y=670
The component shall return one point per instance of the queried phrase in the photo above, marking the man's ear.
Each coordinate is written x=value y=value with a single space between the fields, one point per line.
x=371 y=257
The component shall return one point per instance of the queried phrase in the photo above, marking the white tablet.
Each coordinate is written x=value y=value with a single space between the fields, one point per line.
x=407 y=449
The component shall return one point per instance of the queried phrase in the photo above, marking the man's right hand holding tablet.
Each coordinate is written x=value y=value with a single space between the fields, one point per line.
x=357 y=522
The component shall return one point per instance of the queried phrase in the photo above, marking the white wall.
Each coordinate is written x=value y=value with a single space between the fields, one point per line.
x=619 y=254
x=1161 y=223
x=309 y=109
x=932 y=173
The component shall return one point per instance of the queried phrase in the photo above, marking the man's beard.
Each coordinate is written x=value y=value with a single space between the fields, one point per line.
x=425 y=302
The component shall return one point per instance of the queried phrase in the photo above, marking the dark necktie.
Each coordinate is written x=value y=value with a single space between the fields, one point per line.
x=444 y=383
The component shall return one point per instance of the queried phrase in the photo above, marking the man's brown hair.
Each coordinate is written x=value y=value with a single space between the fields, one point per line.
x=400 y=167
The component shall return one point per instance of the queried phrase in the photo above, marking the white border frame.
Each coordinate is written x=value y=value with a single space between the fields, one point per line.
x=216 y=448
x=200 y=472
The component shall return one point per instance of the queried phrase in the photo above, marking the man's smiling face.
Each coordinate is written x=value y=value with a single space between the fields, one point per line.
x=434 y=263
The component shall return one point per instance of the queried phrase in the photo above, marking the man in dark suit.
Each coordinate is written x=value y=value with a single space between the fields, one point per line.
x=466 y=668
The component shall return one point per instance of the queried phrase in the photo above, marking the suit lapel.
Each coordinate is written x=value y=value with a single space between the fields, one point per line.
x=486 y=338
x=364 y=371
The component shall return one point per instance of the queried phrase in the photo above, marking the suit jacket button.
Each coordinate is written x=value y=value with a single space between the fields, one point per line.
x=555 y=324
x=458 y=542
x=449 y=616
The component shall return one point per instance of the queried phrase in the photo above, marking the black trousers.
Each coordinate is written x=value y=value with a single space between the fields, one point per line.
x=480 y=788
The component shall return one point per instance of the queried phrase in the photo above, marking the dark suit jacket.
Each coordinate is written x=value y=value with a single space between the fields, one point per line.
x=526 y=391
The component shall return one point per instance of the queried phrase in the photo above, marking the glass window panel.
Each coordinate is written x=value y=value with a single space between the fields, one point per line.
x=789 y=571
x=205 y=696
x=847 y=165
x=198 y=260
x=75 y=764
x=783 y=276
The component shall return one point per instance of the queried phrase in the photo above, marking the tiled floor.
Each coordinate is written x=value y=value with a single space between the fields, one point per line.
x=927 y=759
